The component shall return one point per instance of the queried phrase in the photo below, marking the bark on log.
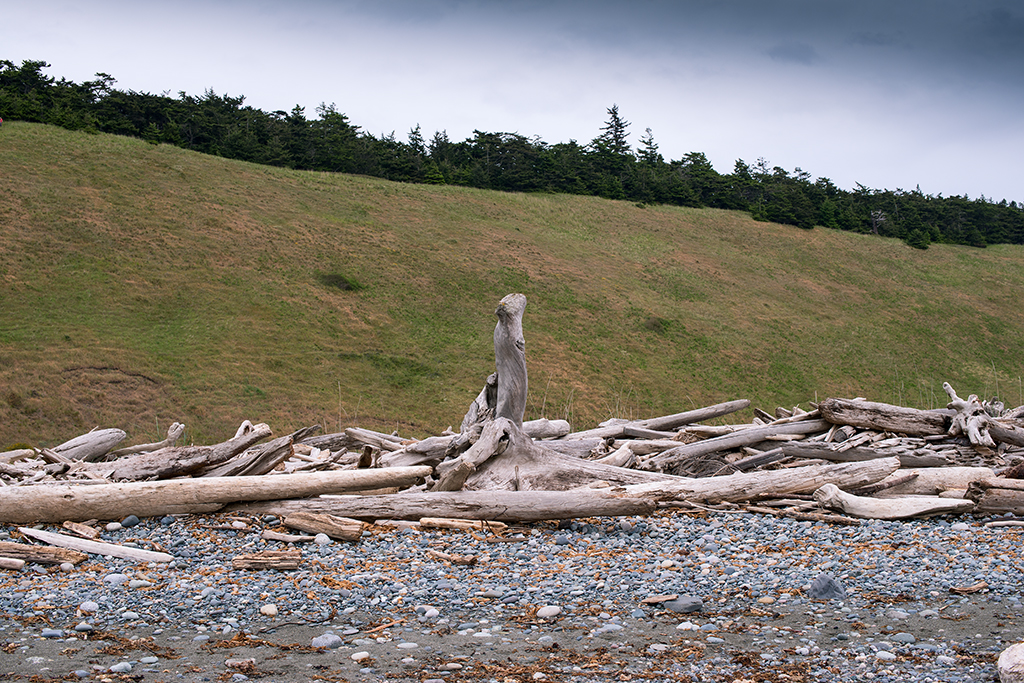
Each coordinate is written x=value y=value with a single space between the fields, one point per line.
x=52 y=504
x=997 y=501
x=40 y=554
x=745 y=437
x=95 y=547
x=665 y=422
x=882 y=416
x=179 y=461
x=284 y=560
x=831 y=497
x=341 y=528
x=749 y=486
x=502 y=506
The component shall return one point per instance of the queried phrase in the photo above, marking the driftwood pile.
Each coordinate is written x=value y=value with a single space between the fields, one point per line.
x=841 y=460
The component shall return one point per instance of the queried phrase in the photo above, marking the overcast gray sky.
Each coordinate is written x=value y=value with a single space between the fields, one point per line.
x=889 y=94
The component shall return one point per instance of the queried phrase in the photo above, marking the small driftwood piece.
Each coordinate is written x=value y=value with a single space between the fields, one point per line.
x=95 y=547
x=271 y=535
x=832 y=497
x=884 y=417
x=40 y=554
x=11 y=563
x=341 y=528
x=284 y=560
x=53 y=504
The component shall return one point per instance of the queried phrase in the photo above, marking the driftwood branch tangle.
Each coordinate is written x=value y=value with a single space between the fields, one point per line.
x=179 y=461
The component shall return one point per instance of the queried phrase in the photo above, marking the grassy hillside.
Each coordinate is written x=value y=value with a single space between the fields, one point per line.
x=143 y=284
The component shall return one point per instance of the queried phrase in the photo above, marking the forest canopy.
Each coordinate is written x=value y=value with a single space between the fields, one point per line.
x=607 y=166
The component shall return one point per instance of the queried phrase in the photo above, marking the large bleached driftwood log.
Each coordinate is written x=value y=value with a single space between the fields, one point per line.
x=831 y=497
x=748 y=486
x=882 y=416
x=55 y=503
x=932 y=481
x=179 y=461
x=502 y=506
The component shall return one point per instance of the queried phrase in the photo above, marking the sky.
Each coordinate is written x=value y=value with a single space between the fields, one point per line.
x=892 y=94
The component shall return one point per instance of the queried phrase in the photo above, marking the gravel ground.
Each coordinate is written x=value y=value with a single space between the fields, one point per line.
x=759 y=598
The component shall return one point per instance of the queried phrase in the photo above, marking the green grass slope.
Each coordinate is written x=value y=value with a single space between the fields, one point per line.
x=144 y=284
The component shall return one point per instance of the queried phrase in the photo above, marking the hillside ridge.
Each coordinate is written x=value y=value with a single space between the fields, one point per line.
x=143 y=284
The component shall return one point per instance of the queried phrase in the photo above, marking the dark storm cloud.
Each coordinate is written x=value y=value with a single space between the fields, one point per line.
x=890 y=94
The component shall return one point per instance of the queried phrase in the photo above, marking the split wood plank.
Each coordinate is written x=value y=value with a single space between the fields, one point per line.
x=284 y=560
x=40 y=554
x=341 y=528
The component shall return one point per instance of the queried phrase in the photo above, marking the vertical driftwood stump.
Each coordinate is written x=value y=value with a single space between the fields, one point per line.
x=494 y=452
x=510 y=359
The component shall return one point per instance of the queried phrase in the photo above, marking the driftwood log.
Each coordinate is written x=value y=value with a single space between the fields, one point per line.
x=53 y=504
x=832 y=497
x=502 y=506
x=885 y=417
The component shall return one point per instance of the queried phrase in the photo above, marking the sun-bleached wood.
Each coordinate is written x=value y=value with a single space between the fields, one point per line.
x=833 y=498
x=882 y=416
x=502 y=506
x=58 y=502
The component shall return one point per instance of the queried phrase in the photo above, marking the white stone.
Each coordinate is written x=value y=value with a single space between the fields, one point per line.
x=548 y=611
x=1011 y=664
x=360 y=656
x=269 y=610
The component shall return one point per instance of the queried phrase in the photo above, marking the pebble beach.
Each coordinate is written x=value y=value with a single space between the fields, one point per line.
x=675 y=596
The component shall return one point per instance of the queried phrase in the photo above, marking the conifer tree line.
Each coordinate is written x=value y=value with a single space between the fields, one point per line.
x=607 y=166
